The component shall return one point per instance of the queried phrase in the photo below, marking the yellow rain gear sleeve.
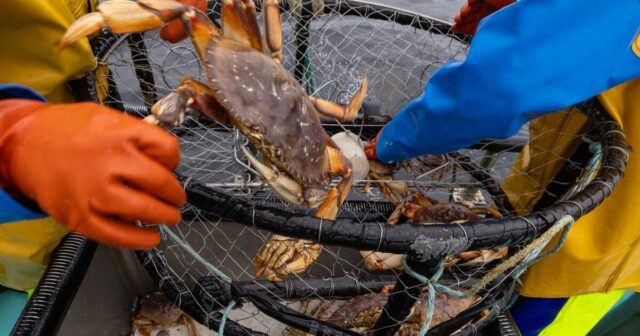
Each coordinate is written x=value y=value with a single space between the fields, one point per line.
x=581 y=313
x=25 y=251
x=602 y=249
x=29 y=35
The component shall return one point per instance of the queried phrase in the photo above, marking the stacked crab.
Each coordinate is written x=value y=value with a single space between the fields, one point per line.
x=361 y=313
x=423 y=210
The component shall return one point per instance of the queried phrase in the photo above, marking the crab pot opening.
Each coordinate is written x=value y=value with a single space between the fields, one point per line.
x=507 y=192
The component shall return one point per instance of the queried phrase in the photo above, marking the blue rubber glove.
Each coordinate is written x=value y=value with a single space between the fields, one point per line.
x=526 y=60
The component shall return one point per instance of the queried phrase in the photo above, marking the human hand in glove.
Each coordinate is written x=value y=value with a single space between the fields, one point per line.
x=370 y=148
x=91 y=168
x=473 y=11
x=174 y=31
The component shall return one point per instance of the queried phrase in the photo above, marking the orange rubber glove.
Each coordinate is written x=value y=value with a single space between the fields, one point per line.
x=370 y=148
x=174 y=31
x=92 y=168
x=473 y=11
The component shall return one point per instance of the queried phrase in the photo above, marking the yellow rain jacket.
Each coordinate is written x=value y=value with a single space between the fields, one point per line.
x=602 y=249
x=29 y=33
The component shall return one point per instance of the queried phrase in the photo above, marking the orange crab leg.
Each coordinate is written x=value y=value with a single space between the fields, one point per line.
x=342 y=112
x=201 y=30
x=124 y=17
x=170 y=110
x=240 y=23
x=234 y=22
x=273 y=28
x=167 y=10
x=336 y=196
x=252 y=24
x=85 y=26
x=132 y=17
x=281 y=184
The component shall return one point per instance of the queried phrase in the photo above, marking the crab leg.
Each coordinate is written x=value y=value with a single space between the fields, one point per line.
x=124 y=17
x=85 y=26
x=170 y=110
x=284 y=186
x=234 y=22
x=381 y=260
x=253 y=25
x=273 y=28
x=284 y=255
x=336 y=196
x=342 y=112
x=240 y=23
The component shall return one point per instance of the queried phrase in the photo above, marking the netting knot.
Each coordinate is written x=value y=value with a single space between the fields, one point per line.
x=432 y=287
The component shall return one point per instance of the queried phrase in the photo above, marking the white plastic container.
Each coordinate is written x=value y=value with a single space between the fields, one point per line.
x=353 y=149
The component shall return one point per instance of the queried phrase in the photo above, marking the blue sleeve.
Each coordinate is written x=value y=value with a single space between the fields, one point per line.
x=8 y=91
x=531 y=58
x=13 y=211
x=10 y=209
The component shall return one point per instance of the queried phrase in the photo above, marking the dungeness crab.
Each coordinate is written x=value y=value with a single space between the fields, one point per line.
x=252 y=91
x=361 y=312
x=157 y=316
x=422 y=210
x=383 y=175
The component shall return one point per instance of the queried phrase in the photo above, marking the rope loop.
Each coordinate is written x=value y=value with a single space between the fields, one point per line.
x=526 y=257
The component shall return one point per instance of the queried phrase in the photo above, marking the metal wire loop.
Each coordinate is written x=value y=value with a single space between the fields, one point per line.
x=609 y=188
x=535 y=229
x=576 y=204
x=381 y=236
x=623 y=150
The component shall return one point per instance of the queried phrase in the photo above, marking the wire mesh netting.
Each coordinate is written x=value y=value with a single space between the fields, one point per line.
x=329 y=48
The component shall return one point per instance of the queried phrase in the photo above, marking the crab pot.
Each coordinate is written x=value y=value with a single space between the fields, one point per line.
x=207 y=261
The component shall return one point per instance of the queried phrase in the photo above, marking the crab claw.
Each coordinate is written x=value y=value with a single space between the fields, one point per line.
x=284 y=256
x=342 y=112
x=123 y=16
x=284 y=186
x=381 y=261
x=482 y=257
x=85 y=26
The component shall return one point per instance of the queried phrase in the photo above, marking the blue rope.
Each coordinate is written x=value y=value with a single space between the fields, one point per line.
x=434 y=280
x=534 y=256
x=432 y=286
x=225 y=315
x=194 y=254
x=209 y=266
x=594 y=164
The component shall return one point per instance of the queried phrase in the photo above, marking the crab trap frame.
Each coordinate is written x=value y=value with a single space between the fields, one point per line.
x=205 y=264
